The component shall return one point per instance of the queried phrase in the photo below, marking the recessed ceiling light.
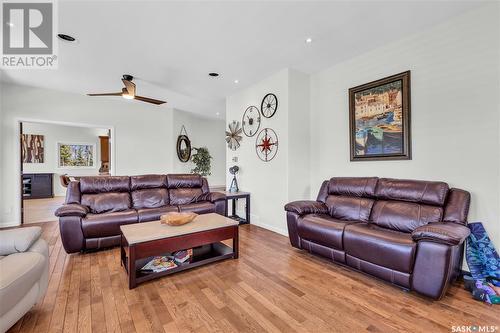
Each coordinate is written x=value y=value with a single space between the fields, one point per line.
x=67 y=38
x=213 y=74
x=217 y=114
x=309 y=40
x=236 y=81
x=10 y=24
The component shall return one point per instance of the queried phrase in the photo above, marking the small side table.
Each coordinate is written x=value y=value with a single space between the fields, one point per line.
x=234 y=196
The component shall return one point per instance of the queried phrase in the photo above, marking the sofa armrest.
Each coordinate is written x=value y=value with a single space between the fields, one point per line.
x=18 y=240
x=72 y=210
x=306 y=207
x=211 y=196
x=448 y=233
x=71 y=231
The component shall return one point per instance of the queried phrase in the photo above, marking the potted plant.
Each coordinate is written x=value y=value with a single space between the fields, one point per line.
x=201 y=159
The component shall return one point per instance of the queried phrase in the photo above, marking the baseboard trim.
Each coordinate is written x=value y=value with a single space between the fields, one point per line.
x=9 y=224
x=272 y=228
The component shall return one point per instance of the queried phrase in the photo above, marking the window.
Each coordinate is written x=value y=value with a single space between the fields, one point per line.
x=76 y=155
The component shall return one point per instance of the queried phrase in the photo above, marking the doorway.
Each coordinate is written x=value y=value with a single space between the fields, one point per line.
x=52 y=155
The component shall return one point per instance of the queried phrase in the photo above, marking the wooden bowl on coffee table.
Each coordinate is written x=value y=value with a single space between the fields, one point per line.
x=175 y=218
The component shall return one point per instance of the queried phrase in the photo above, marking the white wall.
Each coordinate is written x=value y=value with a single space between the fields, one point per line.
x=455 y=111
x=142 y=133
x=54 y=134
x=286 y=177
x=203 y=132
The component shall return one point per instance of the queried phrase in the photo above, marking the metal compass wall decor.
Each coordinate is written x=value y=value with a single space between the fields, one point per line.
x=233 y=137
x=251 y=121
x=266 y=144
x=269 y=105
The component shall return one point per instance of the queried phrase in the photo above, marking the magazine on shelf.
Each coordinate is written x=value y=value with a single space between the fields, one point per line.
x=182 y=256
x=159 y=264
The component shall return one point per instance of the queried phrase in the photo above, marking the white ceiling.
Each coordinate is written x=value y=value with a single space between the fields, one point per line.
x=171 y=46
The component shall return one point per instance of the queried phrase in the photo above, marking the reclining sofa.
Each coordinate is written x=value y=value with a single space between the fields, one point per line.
x=96 y=207
x=410 y=233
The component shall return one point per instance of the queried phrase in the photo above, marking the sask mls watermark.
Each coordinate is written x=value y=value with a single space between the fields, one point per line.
x=28 y=35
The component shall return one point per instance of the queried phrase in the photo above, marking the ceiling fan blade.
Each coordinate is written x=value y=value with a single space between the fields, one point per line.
x=130 y=86
x=149 y=100
x=106 y=94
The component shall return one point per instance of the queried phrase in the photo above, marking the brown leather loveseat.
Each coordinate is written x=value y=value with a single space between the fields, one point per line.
x=408 y=232
x=95 y=207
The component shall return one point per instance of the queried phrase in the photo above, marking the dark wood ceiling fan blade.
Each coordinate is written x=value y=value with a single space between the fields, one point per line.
x=106 y=94
x=130 y=86
x=149 y=100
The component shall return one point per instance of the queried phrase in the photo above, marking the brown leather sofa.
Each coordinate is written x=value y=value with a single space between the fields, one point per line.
x=96 y=207
x=408 y=232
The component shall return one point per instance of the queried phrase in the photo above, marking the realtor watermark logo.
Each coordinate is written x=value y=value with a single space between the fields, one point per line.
x=28 y=35
x=474 y=329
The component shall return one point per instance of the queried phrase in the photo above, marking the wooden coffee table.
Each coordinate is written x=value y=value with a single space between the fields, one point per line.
x=142 y=241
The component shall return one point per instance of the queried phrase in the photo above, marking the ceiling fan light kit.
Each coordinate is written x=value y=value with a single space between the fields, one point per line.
x=129 y=92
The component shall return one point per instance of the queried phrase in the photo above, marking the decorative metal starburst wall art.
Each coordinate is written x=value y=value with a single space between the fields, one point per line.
x=233 y=136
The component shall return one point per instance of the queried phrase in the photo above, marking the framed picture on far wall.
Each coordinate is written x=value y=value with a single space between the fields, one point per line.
x=76 y=155
x=33 y=148
x=379 y=116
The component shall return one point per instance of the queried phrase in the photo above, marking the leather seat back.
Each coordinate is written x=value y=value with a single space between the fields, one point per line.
x=351 y=198
x=184 y=188
x=149 y=191
x=397 y=204
x=404 y=216
x=405 y=205
x=105 y=194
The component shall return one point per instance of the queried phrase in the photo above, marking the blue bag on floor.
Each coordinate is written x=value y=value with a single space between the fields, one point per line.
x=482 y=258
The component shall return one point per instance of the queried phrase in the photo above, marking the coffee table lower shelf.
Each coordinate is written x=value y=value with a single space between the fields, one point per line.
x=206 y=244
x=201 y=256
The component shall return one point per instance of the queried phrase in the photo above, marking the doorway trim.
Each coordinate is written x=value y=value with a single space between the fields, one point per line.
x=17 y=123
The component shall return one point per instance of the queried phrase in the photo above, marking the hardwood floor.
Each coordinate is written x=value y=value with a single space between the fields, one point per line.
x=41 y=210
x=271 y=287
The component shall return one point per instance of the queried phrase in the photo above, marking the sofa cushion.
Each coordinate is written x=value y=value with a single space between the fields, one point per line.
x=404 y=216
x=322 y=229
x=381 y=246
x=203 y=207
x=107 y=224
x=20 y=272
x=153 y=214
x=431 y=193
x=349 y=208
x=184 y=181
x=457 y=206
x=147 y=181
x=73 y=194
x=150 y=198
x=102 y=184
x=183 y=196
x=204 y=185
x=353 y=186
x=106 y=202
x=18 y=240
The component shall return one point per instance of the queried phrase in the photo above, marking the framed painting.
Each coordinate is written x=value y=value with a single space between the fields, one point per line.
x=76 y=155
x=33 y=148
x=379 y=119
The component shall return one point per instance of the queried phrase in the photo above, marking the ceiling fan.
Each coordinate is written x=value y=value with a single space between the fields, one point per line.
x=129 y=92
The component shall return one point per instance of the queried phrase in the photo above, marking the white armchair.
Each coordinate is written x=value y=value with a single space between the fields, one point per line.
x=24 y=273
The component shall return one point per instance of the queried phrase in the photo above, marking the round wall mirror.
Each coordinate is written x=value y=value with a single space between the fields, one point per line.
x=183 y=148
